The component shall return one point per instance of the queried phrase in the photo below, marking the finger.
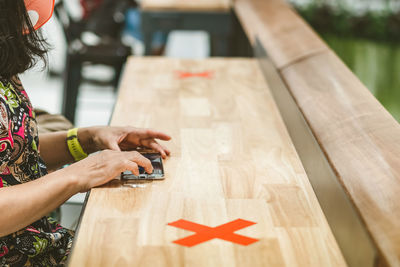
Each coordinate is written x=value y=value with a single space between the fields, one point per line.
x=166 y=150
x=151 y=143
x=133 y=167
x=141 y=161
x=149 y=133
x=114 y=146
x=156 y=146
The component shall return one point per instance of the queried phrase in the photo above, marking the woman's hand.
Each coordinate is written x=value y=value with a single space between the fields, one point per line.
x=104 y=166
x=125 y=139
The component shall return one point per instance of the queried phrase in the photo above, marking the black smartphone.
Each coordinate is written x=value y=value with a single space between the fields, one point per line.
x=158 y=169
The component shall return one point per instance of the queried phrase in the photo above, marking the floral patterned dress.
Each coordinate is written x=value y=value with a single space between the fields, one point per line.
x=43 y=243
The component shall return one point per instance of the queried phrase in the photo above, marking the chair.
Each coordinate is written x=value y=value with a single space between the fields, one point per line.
x=109 y=51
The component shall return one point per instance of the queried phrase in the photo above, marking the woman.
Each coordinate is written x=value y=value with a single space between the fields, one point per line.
x=27 y=236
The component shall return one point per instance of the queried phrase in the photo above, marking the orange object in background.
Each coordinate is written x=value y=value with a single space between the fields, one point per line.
x=88 y=6
x=39 y=11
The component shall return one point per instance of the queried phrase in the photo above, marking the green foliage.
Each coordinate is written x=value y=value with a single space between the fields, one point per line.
x=375 y=25
x=376 y=64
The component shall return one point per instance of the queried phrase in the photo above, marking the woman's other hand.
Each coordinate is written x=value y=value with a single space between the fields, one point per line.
x=125 y=139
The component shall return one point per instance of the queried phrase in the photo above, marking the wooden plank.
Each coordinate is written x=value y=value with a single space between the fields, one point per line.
x=285 y=36
x=231 y=158
x=360 y=139
x=184 y=5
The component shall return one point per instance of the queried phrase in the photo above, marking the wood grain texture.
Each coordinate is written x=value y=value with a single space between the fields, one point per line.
x=231 y=158
x=360 y=139
x=185 y=5
x=285 y=35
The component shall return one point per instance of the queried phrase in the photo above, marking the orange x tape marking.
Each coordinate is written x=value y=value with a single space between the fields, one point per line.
x=206 y=233
x=184 y=75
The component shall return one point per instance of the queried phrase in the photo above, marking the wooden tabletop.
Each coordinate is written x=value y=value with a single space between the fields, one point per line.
x=232 y=162
x=185 y=5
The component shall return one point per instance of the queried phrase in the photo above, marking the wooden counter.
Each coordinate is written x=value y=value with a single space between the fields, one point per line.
x=284 y=34
x=232 y=158
x=185 y=5
x=358 y=137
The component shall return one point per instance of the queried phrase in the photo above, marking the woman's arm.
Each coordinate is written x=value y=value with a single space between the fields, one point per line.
x=24 y=204
x=54 y=150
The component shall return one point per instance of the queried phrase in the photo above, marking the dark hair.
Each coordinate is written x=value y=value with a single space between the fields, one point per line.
x=20 y=45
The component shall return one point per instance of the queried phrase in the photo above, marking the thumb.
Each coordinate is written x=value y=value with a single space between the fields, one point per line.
x=114 y=146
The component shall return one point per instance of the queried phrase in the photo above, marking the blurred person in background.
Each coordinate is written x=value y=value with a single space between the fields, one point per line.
x=104 y=17
x=27 y=192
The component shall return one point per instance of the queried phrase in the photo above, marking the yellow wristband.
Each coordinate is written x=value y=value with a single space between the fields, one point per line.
x=74 y=146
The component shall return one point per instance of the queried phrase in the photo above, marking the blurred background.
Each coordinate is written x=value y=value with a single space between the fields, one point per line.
x=366 y=36
x=91 y=39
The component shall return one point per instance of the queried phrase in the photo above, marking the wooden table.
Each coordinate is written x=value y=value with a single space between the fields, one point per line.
x=213 y=16
x=232 y=158
x=285 y=35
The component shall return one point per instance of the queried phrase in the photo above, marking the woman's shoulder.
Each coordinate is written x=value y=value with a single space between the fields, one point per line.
x=12 y=93
x=5 y=90
x=5 y=99
x=13 y=83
